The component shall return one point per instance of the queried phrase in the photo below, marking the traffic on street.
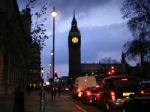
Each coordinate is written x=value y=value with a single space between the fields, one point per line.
x=121 y=93
x=66 y=102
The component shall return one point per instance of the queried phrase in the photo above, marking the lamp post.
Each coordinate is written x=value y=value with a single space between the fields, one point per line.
x=53 y=14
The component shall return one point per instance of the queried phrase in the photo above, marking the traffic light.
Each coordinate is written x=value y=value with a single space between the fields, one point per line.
x=111 y=71
x=55 y=74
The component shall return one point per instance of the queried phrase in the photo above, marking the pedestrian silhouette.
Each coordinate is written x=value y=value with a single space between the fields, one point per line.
x=52 y=93
x=54 y=90
x=59 y=90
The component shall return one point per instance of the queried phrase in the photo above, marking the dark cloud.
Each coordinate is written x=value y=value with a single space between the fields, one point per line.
x=80 y=4
x=68 y=6
x=104 y=39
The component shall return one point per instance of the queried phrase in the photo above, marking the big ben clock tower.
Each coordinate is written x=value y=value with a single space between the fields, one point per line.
x=74 y=44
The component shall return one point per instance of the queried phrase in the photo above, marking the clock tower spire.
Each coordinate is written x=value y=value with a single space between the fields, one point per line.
x=74 y=45
x=74 y=26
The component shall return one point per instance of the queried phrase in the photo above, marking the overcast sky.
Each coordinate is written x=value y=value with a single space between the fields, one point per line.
x=103 y=31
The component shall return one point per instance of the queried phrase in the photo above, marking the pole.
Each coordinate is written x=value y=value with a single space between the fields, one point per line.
x=53 y=46
x=42 y=100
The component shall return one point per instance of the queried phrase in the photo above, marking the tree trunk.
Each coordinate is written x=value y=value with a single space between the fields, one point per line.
x=142 y=65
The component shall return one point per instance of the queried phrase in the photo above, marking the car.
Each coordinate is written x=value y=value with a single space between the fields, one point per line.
x=81 y=83
x=137 y=104
x=144 y=88
x=115 y=90
x=89 y=94
x=65 y=88
x=140 y=101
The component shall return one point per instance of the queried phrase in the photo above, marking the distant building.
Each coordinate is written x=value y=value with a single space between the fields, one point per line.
x=35 y=70
x=105 y=67
x=100 y=68
x=74 y=45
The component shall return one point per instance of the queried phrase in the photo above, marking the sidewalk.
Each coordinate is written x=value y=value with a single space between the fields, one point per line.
x=32 y=103
x=59 y=104
x=6 y=103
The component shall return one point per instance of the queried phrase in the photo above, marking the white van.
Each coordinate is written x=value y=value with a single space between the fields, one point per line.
x=82 y=83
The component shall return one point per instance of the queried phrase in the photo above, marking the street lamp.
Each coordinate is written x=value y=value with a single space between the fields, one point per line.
x=53 y=14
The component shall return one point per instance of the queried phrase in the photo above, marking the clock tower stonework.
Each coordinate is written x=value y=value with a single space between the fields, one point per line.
x=74 y=45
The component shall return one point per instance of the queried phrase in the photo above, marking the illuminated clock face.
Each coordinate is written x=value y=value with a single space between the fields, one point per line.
x=75 y=40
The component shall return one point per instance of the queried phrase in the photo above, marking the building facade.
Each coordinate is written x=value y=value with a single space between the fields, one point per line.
x=15 y=44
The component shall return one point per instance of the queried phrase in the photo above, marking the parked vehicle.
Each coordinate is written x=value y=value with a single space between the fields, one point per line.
x=115 y=90
x=137 y=104
x=144 y=89
x=89 y=94
x=81 y=83
x=66 y=88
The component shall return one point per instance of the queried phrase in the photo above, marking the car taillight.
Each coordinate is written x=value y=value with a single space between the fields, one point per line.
x=142 y=92
x=97 y=86
x=113 y=95
x=88 y=93
x=66 y=88
x=98 y=95
x=78 y=90
x=124 y=79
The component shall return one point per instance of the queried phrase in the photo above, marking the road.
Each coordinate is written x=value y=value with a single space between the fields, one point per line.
x=81 y=106
x=65 y=103
x=70 y=102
